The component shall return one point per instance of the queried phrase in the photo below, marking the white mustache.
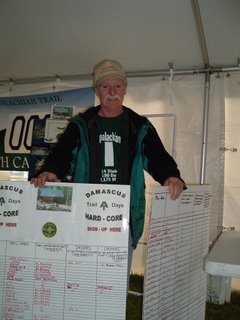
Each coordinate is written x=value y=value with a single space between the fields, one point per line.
x=115 y=97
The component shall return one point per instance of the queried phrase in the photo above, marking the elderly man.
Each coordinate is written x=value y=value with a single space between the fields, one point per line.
x=112 y=144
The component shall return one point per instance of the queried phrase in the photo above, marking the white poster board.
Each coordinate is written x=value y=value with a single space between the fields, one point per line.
x=65 y=256
x=175 y=284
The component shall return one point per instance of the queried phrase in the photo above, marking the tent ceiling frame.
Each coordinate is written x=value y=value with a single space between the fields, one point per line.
x=131 y=74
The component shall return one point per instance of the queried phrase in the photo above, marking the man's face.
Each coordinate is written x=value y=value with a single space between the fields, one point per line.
x=111 y=93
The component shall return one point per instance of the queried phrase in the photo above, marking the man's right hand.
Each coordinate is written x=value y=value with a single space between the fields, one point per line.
x=44 y=177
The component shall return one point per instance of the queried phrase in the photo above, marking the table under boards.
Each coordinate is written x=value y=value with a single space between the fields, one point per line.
x=224 y=260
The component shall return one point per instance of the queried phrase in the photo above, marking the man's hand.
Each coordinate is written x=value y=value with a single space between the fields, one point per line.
x=44 y=177
x=175 y=186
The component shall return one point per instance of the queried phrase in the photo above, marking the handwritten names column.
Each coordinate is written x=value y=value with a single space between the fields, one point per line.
x=18 y=281
x=161 y=264
x=168 y=257
x=80 y=282
x=183 y=256
x=2 y=273
x=112 y=266
x=49 y=276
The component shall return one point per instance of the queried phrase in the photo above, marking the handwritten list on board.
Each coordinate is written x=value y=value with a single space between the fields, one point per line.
x=63 y=251
x=175 y=283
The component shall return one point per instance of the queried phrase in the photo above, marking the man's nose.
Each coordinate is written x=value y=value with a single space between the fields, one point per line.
x=112 y=91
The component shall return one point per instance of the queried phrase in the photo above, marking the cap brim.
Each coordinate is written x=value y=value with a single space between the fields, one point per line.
x=112 y=75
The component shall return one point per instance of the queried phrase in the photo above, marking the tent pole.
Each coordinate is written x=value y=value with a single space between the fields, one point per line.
x=205 y=128
x=201 y=36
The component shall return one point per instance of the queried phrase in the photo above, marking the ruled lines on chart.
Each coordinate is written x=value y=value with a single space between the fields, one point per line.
x=45 y=281
x=175 y=283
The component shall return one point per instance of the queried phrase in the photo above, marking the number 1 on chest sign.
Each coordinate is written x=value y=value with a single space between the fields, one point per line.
x=109 y=154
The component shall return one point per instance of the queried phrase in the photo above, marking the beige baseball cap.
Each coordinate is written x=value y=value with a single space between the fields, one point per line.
x=108 y=68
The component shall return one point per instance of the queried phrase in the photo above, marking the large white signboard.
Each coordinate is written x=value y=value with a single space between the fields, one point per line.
x=175 y=283
x=63 y=251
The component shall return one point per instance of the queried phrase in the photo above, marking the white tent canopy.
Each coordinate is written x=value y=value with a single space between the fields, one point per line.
x=57 y=38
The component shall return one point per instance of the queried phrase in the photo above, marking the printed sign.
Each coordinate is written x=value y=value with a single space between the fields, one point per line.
x=11 y=216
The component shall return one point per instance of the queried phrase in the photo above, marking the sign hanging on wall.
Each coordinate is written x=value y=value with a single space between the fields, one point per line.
x=17 y=118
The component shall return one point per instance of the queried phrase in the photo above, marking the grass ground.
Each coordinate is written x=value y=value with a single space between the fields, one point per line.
x=134 y=303
x=227 y=311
